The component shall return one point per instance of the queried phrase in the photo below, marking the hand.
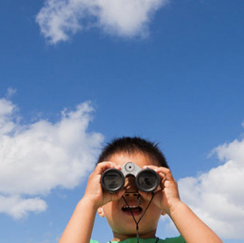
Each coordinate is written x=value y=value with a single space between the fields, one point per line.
x=166 y=196
x=94 y=191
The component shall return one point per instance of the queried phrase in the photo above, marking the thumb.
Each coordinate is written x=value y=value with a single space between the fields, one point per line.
x=118 y=195
x=145 y=195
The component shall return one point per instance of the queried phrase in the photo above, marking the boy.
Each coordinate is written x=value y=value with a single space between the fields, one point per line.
x=130 y=212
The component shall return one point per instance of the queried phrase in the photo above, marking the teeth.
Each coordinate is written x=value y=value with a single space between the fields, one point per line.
x=131 y=207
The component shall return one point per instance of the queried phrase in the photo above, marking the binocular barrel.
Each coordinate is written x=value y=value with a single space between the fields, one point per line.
x=113 y=180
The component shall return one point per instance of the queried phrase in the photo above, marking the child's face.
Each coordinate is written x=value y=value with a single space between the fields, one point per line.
x=117 y=213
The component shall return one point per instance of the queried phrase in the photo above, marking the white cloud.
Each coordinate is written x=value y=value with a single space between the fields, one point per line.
x=11 y=92
x=58 y=19
x=38 y=157
x=18 y=207
x=217 y=196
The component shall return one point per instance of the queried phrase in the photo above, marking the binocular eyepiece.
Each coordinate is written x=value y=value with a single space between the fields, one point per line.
x=113 y=180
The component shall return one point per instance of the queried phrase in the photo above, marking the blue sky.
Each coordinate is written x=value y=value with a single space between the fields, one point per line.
x=75 y=74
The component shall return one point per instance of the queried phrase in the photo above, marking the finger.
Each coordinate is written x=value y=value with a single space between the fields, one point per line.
x=119 y=194
x=162 y=171
x=101 y=167
x=163 y=179
x=115 y=196
x=145 y=195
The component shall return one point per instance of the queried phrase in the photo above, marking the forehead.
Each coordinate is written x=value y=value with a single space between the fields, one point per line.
x=138 y=158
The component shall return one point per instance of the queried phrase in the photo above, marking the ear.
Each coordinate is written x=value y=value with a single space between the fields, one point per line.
x=100 y=212
x=163 y=213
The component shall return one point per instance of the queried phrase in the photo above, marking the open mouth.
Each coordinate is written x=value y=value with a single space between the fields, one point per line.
x=132 y=209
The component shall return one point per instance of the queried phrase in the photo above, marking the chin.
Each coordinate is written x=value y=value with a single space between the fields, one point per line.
x=131 y=232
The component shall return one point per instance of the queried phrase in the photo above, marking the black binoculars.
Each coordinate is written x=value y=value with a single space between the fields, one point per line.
x=113 y=180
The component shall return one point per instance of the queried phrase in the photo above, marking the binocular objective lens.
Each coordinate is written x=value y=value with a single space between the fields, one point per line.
x=112 y=180
x=147 y=181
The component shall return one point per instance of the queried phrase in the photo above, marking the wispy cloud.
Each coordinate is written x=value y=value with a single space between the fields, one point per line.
x=58 y=19
x=38 y=157
x=218 y=195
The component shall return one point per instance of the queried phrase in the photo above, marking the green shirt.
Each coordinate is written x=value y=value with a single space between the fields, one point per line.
x=178 y=239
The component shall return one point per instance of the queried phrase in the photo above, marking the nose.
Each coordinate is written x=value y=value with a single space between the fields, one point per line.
x=130 y=186
x=131 y=190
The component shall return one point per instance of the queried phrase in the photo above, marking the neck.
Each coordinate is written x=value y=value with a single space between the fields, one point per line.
x=120 y=237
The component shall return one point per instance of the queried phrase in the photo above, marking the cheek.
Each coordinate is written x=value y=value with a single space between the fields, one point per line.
x=112 y=216
x=155 y=213
x=106 y=209
x=110 y=210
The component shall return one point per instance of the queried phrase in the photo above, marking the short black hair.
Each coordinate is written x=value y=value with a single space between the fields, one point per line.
x=131 y=145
